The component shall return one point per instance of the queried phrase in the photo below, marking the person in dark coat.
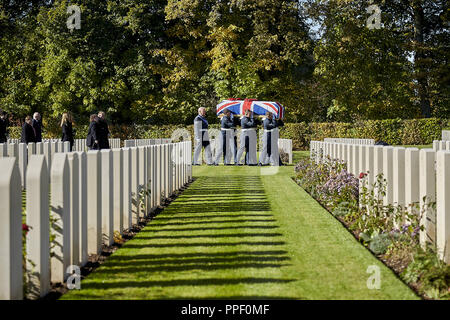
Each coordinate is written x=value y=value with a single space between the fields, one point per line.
x=37 y=126
x=28 y=131
x=103 y=131
x=3 y=126
x=67 y=130
x=92 y=140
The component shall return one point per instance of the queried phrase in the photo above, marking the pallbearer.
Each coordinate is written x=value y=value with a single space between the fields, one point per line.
x=226 y=145
x=270 y=141
x=201 y=137
x=248 y=139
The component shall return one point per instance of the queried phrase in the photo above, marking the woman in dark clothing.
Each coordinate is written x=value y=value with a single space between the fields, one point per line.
x=103 y=131
x=27 y=132
x=92 y=139
x=67 y=131
x=3 y=126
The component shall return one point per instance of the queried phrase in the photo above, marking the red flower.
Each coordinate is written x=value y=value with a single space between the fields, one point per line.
x=362 y=175
x=25 y=227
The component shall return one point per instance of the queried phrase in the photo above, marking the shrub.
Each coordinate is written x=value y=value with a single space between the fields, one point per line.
x=392 y=131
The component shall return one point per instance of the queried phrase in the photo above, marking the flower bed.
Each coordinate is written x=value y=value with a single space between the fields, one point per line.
x=390 y=232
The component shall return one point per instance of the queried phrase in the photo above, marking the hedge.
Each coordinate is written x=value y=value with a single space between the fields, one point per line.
x=392 y=131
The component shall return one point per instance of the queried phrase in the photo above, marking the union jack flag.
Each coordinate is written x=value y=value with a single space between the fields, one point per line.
x=239 y=106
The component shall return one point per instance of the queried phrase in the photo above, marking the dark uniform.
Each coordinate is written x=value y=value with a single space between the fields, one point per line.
x=201 y=139
x=248 y=126
x=227 y=137
x=3 y=130
x=102 y=134
x=67 y=133
x=269 y=126
x=92 y=136
x=27 y=134
x=37 y=127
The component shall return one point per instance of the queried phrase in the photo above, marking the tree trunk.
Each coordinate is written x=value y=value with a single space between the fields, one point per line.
x=419 y=57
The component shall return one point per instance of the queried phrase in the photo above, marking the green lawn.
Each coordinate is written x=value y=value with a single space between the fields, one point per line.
x=235 y=233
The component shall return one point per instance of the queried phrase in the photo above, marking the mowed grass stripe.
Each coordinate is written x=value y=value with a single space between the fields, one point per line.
x=235 y=233
x=217 y=240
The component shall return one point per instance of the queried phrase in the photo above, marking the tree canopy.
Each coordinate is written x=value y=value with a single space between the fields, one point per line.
x=157 y=61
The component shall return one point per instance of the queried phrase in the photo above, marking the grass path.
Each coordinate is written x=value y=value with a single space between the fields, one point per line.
x=235 y=233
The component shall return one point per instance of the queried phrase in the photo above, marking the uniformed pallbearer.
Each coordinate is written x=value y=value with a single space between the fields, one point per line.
x=271 y=134
x=226 y=146
x=248 y=139
x=201 y=137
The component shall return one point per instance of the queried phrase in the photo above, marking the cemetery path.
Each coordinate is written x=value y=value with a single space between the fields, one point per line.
x=236 y=234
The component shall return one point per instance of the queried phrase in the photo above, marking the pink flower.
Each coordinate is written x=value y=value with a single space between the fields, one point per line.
x=25 y=227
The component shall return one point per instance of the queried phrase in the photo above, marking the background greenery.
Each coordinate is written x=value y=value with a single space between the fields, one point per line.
x=391 y=131
x=157 y=61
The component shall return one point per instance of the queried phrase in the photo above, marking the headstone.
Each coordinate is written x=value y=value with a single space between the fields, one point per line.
x=388 y=153
x=118 y=189
x=399 y=176
x=82 y=195
x=446 y=135
x=107 y=197
x=38 y=239
x=74 y=174
x=127 y=196
x=427 y=196
x=23 y=158
x=11 y=274
x=94 y=202
x=60 y=214
x=135 y=184
x=443 y=205
x=412 y=179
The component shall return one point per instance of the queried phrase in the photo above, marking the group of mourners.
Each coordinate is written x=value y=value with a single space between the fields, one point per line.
x=97 y=136
x=228 y=148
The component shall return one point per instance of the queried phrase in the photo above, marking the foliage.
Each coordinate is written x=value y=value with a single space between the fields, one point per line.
x=431 y=272
x=328 y=181
x=157 y=61
x=391 y=232
x=399 y=70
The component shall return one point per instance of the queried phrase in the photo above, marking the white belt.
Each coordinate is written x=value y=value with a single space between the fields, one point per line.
x=203 y=129
x=224 y=129
x=248 y=129
x=269 y=130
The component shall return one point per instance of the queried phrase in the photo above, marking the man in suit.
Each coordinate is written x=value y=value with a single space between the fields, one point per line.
x=102 y=131
x=270 y=152
x=226 y=145
x=201 y=137
x=27 y=131
x=248 y=139
x=37 y=126
x=3 y=126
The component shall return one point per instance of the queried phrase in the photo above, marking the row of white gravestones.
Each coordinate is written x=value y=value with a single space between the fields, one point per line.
x=441 y=145
x=350 y=141
x=92 y=194
x=145 y=142
x=23 y=152
x=80 y=144
x=412 y=176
